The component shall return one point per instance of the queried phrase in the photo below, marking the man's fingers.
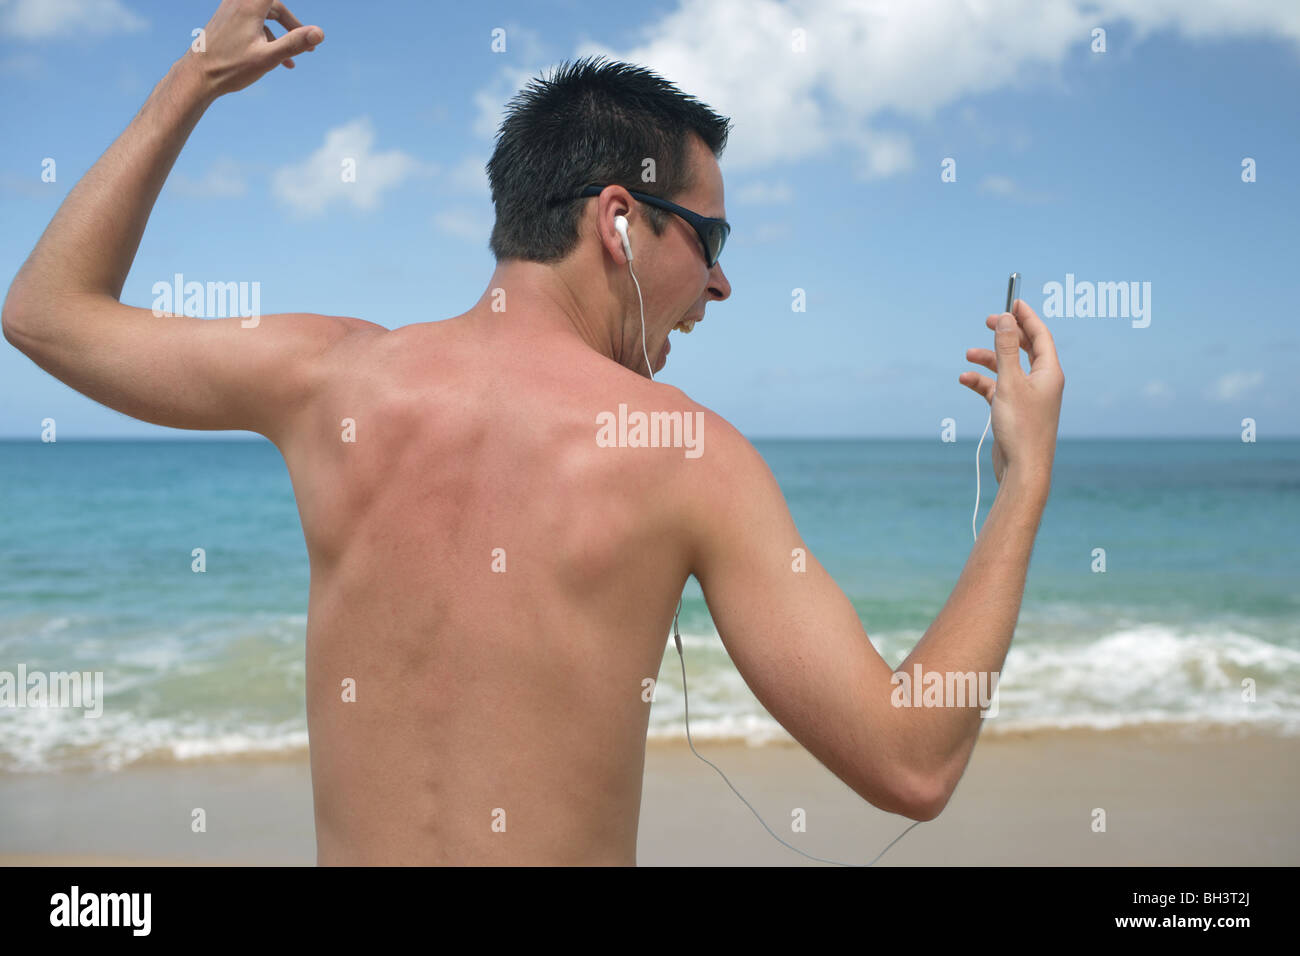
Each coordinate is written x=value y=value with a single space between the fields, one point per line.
x=978 y=383
x=283 y=16
x=270 y=38
x=1035 y=338
x=992 y=323
x=1042 y=349
x=1007 y=345
x=296 y=41
x=983 y=357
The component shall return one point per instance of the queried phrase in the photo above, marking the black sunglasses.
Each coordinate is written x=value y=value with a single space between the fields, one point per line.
x=712 y=232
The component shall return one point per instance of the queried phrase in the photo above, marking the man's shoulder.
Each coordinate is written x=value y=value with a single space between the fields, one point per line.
x=720 y=453
x=360 y=346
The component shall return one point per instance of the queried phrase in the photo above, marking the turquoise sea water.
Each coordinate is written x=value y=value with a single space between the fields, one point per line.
x=1199 y=593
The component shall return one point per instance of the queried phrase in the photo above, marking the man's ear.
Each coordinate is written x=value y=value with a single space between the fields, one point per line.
x=614 y=201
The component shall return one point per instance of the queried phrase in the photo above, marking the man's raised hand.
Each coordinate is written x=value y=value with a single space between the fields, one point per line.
x=1026 y=408
x=239 y=48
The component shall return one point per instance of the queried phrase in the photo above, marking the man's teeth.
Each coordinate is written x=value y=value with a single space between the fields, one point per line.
x=685 y=325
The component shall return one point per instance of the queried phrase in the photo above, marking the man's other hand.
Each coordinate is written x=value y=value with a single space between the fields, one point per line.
x=238 y=48
x=1026 y=408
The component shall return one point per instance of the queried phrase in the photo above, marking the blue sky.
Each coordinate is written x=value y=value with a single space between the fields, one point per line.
x=1122 y=166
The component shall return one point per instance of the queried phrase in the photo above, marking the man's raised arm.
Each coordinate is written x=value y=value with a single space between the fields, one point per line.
x=63 y=308
x=797 y=640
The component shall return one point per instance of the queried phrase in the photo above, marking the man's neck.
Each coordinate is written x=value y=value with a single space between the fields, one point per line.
x=546 y=298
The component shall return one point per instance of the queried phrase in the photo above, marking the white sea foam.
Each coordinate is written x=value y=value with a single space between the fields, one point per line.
x=162 y=706
x=49 y=740
x=1145 y=675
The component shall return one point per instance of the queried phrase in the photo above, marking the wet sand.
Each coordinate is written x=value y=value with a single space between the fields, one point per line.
x=1227 y=800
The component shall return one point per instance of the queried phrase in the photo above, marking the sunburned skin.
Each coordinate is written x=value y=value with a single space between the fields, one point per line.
x=497 y=584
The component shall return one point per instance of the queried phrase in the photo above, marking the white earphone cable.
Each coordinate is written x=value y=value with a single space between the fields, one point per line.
x=977 y=474
x=677 y=639
x=642 y=305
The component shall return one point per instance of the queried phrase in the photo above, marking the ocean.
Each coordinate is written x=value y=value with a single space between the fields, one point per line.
x=1197 y=610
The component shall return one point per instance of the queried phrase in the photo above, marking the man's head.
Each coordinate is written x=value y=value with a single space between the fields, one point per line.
x=598 y=122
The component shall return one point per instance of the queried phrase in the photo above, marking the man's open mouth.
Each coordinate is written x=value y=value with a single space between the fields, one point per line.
x=685 y=325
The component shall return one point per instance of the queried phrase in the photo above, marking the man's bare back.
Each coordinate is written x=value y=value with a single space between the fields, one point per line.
x=499 y=714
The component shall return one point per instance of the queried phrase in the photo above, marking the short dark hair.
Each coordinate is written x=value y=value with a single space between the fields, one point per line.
x=592 y=121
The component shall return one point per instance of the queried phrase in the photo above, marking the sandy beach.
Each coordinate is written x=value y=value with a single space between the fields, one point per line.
x=1224 y=800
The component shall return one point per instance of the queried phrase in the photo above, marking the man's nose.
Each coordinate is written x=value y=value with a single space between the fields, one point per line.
x=719 y=287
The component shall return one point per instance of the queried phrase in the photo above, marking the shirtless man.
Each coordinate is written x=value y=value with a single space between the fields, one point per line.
x=494 y=581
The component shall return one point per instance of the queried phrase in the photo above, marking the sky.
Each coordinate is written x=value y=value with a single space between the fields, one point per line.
x=893 y=160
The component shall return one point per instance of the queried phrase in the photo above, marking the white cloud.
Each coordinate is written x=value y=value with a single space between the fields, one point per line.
x=469 y=176
x=998 y=185
x=764 y=233
x=1006 y=133
x=492 y=99
x=1235 y=384
x=760 y=193
x=316 y=182
x=223 y=180
x=864 y=59
x=1007 y=188
x=523 y=43
x=1157 y=391
x=524 y=58
x=1207 y=19
x=881 y=154
x=41 y=19
x=461 y=223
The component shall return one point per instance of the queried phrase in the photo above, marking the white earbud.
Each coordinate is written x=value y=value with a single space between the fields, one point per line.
x=620 y=226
